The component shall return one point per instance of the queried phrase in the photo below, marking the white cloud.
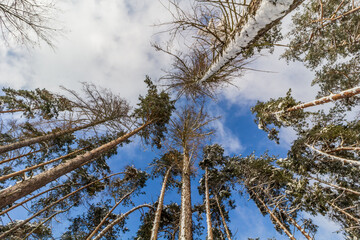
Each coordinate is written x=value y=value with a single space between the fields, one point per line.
x=104 y=42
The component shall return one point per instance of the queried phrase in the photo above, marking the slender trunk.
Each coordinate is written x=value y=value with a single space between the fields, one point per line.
x=207 y=207
x=256 y=25
x=293 y=221
x=10 y=195
x=31 y=198
x=185 y=229
x=46 y=137
x=155 y=229
x=333 y=97
x=274 y=217
x=345 y=213
x=13 y=111
x=46 y=220
x=334 y=186
x=332 y=157
x=223 y=218
x=40 y=165
x=108 y=214
x=20 y=156
x=51 y=205
x=116 y=221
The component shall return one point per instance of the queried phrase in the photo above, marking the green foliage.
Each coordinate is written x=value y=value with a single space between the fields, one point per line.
x=38 y=102
x=82 y=225
x=41 y=232
x=155 y=107
x=271 y=115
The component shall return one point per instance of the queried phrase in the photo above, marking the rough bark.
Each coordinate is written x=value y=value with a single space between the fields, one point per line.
x=155 y=229
x=333 y=97
x=207 y=207
x=116 y=221
x=185 y=229
x=46 y=137
x=286 y=231
x=223 y=218
x=10 y=195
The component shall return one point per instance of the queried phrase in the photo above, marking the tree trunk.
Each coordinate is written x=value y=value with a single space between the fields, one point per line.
x=274 y=217
x=263 y=17
x=207 y=207
x=22 y=223
x=11 y=194
x=306 y=235
x=13 y=111
x=332 y=157
x=185 y=229
x=155 y=229
x=116 y=221
x=108 y=214
x=40 y=165
x=333 y=97
x=20 y=156
x=223 y=218
x=334 y=186
x=46 y=137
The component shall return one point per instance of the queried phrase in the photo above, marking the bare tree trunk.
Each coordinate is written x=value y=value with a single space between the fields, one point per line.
x=13 y=111
x=185 y=230
x=46 y=137
x=207 y=207
x=332 y=157
x=333 y=97
x=223 y=218
x=293 y=221
x=274 y=217
x=40 y=165
x=10 y=195
x=335 y=186
x=116 y=221
x=20 y=156
x=255 y=27
x=51 y=205
x=155 y=229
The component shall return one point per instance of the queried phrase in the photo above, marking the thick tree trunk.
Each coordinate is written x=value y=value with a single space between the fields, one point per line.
x=223 y=218
x=155 y=229
x=286 y=231
x=46 y=137
x=51 y=205
x=119 y=219
x=207 y=207
x=185 y=229
x=11 y=194
x=263 y=16
x=333 y=97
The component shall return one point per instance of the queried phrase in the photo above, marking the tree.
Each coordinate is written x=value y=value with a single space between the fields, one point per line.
x=168 y=166
x=26 y=22
x=188 y=131
x=222 y=27
x=154 y=109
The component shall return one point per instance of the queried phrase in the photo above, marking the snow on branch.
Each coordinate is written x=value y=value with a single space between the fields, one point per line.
x=268 y=14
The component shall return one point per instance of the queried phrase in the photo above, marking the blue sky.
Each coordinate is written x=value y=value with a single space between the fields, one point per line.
x=108 y=43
